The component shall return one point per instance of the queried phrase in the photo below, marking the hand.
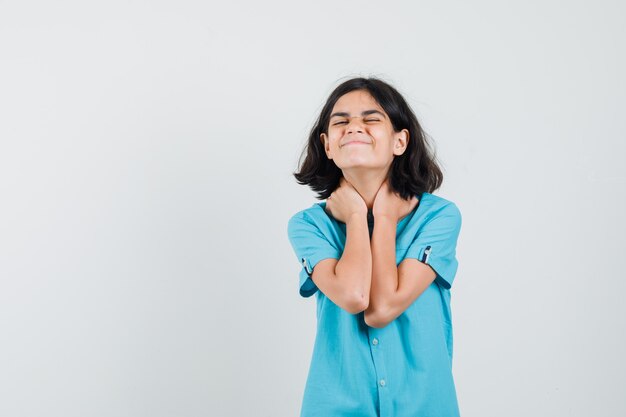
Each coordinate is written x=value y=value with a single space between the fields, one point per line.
x=345 y=201
x=389 y=204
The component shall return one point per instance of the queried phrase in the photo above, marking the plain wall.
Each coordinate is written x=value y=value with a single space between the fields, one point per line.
x=146 y=153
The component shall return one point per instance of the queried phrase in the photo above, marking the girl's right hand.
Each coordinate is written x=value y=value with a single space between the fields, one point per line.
x=345 y=201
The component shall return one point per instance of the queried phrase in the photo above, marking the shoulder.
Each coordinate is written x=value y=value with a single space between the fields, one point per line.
x=437 y=203
x=311 y=213
x=313 y=216
x=433 y=206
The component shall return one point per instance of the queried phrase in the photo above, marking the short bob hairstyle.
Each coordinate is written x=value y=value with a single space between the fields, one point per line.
x=412 y=173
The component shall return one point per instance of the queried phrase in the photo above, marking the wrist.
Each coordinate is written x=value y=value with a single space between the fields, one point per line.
x=386 y=216
x=357 y=217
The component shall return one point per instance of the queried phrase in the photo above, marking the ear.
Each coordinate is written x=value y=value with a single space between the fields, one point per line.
x=400 y=142
x=326 y=145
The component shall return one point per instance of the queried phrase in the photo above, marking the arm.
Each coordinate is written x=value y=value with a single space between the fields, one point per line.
x=393 y=289
x=347 y=281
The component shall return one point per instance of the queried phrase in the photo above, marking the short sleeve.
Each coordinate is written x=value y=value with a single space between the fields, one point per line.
x=310 y=246
x=435 y=244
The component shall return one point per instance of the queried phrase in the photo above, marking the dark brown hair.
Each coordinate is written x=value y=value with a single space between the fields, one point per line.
x=412 y=173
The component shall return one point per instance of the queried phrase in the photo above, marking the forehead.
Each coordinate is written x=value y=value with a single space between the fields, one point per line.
x=355 y=102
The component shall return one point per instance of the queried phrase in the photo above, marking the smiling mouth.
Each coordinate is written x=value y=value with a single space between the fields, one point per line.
x=355 y=143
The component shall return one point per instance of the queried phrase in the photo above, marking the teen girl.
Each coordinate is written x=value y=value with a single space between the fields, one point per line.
x=380 y=255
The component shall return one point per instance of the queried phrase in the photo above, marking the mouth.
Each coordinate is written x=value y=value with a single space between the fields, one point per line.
x=355 y=142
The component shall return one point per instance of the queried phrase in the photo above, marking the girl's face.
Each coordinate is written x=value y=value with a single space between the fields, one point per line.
x=360 y=134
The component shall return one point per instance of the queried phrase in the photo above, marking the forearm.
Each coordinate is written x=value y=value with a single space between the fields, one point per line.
x=384 y=284
x=354 y=269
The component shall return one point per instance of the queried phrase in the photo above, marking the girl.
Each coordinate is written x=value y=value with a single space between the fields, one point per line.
x=380 y=254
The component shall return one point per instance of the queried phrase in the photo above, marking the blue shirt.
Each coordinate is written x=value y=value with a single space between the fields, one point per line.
x=405 y=368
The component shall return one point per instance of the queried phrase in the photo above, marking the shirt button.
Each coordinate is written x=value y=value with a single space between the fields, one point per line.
x=382 y=383
x=375 y=342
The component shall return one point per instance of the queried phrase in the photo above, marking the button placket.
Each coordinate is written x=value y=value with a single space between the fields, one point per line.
x=377 y=349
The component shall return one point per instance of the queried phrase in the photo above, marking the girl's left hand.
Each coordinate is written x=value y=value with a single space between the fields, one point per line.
x=390 y=204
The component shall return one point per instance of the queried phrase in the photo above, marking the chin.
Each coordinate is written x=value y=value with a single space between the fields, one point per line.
x=358 y=165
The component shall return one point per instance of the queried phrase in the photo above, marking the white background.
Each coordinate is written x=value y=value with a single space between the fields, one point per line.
x=146 y=152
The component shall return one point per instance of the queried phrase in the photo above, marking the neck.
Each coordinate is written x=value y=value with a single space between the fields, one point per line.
x=366 y=182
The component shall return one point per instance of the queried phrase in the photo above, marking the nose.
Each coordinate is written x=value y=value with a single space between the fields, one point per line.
x=354 y=125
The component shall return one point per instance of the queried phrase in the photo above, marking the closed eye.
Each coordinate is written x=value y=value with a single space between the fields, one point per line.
x=339 y=123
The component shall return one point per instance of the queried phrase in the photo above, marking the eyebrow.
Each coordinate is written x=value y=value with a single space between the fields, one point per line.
x=363 y=113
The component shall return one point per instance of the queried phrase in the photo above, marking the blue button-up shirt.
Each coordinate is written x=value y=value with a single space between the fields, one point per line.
x=405 y=368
